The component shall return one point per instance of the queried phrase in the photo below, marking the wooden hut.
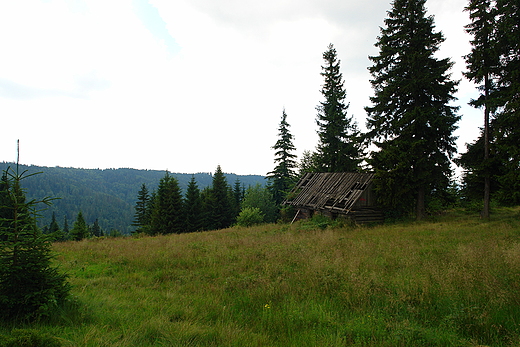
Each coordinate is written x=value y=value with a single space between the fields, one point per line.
x=334 y=194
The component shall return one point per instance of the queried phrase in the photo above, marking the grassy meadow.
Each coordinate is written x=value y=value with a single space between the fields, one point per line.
x=451 y=281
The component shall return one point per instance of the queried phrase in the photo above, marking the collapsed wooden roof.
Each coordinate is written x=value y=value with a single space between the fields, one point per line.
x=334 y=191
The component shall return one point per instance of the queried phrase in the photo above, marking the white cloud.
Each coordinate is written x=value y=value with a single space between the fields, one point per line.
x=88 y=84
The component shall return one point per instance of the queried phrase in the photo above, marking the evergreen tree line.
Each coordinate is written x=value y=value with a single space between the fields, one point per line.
x=107 y=195
x=492 y=162
x=80 y=229
x=412 y=117
x=410 y=123
x=167 y=211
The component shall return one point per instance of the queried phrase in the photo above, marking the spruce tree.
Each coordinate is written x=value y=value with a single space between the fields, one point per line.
x=308 y=163
x=53 y=226
x=66 y=231
x=238 y=195
x=473 y=165
x=219 y=204
x=96 y=230
x=411 y=120
x=482 y=64
x=151 y=205
x=30 y=287
x=506 y=122
x=167 y=214
x=233 y=211
x=339 y=148
x=494 y=63
x=193 y=207
x=79 y=230
x=54 y=229
x=207 y=203
x=6 y=212
x=283 y=177
x=142 y=210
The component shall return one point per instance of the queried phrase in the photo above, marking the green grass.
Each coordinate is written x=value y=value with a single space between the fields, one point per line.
x=450 y=281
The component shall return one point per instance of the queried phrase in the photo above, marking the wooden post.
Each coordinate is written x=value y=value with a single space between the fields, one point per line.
x=296 y=215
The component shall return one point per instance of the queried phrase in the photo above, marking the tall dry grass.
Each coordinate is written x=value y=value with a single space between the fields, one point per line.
x=454 y=281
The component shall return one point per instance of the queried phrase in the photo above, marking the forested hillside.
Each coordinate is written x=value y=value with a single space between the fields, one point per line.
x=106 y=195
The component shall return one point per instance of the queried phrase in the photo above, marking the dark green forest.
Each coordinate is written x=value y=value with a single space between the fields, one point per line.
x=106 y=195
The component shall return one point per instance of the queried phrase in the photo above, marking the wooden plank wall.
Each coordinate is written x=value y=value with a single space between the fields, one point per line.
x=334 y=191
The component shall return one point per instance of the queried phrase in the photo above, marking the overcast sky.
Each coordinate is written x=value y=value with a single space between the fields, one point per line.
x=187 y=85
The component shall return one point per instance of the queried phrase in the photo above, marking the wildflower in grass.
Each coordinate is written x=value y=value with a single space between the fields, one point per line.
x=267 y=306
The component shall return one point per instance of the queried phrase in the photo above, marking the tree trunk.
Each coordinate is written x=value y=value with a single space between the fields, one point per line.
x=487 y=188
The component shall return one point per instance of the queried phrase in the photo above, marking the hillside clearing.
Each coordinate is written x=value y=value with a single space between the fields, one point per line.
x=454 y=281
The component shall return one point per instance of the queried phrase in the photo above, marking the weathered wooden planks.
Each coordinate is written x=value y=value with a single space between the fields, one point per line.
x=337 y=192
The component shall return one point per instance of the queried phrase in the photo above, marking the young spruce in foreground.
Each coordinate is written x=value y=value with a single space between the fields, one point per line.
x=30 y=287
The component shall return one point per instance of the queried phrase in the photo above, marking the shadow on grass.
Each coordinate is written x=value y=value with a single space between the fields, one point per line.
x=39 y=332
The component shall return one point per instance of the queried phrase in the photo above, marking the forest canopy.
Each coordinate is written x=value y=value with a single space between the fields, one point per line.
x=106 y=195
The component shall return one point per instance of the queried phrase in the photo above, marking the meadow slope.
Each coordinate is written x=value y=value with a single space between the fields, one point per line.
x=451 y=281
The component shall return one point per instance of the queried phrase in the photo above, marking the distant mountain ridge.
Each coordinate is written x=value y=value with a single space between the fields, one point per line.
x=108 y=195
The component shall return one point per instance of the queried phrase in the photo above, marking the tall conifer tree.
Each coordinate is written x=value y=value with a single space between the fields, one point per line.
x=283 y=177
x=53 y=226
x=79 y=230
x=411 y=120
x=339 y=145
x=193 y=207
x=168 y=215
x=494 y=63
x=220 y=211
x=142 y=210
x=96 y=230
x=238 y=195
x=482 y=64
x=206 y=200
x=506 y=124
x=55 y=230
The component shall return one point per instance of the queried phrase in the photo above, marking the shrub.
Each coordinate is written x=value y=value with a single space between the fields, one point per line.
x=250 y=216
x=260 y=197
